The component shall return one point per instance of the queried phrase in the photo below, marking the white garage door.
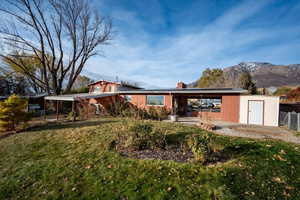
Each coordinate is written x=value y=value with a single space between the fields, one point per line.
x=256 y=112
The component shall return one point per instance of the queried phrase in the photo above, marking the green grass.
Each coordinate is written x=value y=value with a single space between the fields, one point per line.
x=73 y=161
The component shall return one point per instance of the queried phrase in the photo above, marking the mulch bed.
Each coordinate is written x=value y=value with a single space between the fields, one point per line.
x=170 y=153
x=173 y=153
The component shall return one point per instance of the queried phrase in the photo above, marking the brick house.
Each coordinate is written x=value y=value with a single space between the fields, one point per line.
x=211 y=103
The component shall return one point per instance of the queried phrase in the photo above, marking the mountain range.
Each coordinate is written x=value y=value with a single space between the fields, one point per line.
x=264 y=74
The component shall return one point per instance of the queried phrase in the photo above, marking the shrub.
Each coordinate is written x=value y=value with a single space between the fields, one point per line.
x=294 y=94
x=152 y=111
x=124 y=109
x=143 y=136
x=162 y=113
x=72 y=115
x=202 y=146
x=13 y=112
x=141 y=128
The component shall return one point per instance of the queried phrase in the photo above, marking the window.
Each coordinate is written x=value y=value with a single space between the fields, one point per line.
x=205 y=105
x=127 y=98
x=97 y=89
x=155 y=100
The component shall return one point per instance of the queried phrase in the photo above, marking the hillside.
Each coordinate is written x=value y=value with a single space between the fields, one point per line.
x=264 y=74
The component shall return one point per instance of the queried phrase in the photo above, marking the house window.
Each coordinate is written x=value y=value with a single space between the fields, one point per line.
x=97 y=89
x=155 y=100
x=127 y=98
x=205 y=105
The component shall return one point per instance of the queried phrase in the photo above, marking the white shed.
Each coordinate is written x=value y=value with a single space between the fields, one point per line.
x=259 y=110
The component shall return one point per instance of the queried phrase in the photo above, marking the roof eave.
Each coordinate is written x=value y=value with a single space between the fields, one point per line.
x=183 y=92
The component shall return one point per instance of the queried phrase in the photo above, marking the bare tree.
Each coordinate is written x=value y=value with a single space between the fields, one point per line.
x=62 y=34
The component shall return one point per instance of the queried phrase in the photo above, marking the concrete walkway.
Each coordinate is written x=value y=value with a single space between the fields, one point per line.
x=248 y=131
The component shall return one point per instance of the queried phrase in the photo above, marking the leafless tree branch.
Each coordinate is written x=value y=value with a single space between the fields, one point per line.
x=61 y=34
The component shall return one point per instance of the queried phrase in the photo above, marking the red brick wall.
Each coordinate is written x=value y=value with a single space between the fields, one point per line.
x=141 y=102
x=230 y=109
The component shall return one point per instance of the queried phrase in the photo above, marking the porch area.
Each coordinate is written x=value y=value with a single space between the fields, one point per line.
x=221 y=107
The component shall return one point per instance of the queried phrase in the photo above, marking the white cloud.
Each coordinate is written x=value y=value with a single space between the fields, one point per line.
x=163 y=61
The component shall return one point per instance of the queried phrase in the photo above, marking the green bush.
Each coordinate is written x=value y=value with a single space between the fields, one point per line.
x=13 y=112
x=143 y=136
x=152 y=111
x=124 y=109
x=203 y=146
x=141 y=128
x=72 y=115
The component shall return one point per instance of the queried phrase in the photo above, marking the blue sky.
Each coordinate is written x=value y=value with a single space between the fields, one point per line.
x=161 y=42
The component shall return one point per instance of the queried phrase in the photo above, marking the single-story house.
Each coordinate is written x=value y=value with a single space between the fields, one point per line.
x=225 y=104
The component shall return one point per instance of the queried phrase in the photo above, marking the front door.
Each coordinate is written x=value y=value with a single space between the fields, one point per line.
x=256 y=112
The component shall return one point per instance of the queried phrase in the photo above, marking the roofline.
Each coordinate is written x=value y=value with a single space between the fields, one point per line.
x=75 y=97
x=118 y=83
x=194 y=91
x=102 y=80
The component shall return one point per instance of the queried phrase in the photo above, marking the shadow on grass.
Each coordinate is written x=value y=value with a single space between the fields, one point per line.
x=66 y=125
x=57 y=126
x=177 y=138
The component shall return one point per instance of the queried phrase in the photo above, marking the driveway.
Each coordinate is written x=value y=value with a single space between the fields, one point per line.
x=249 y=131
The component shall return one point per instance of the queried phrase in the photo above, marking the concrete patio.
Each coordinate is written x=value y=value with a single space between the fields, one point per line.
x=244 y=130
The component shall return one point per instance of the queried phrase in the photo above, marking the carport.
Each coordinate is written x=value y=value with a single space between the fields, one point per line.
x=82 y=98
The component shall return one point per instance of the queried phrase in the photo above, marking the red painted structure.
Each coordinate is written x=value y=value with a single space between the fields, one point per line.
x=230 y=102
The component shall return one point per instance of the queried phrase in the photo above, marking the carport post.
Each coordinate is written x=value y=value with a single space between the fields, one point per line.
x=73 y=111
x=45 y=104
x=87 y=108
x=173 y=110
x=57 y=107
x=298 y=122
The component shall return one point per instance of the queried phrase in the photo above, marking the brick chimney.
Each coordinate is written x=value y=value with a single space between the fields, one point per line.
x=181 y=85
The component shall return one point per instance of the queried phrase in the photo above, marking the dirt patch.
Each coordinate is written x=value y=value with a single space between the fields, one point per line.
x=174 y=154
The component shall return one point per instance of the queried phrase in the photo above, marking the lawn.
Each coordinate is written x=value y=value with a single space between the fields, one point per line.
x=74 y=161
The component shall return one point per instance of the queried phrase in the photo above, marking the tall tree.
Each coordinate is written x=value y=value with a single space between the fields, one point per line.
x=211 y=78
x=247 y=83
x=81 y=82
x=31 y=64
x=10 y=83
x=62 y=34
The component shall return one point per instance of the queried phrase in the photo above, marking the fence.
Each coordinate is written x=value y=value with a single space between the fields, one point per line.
x=290 y=119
